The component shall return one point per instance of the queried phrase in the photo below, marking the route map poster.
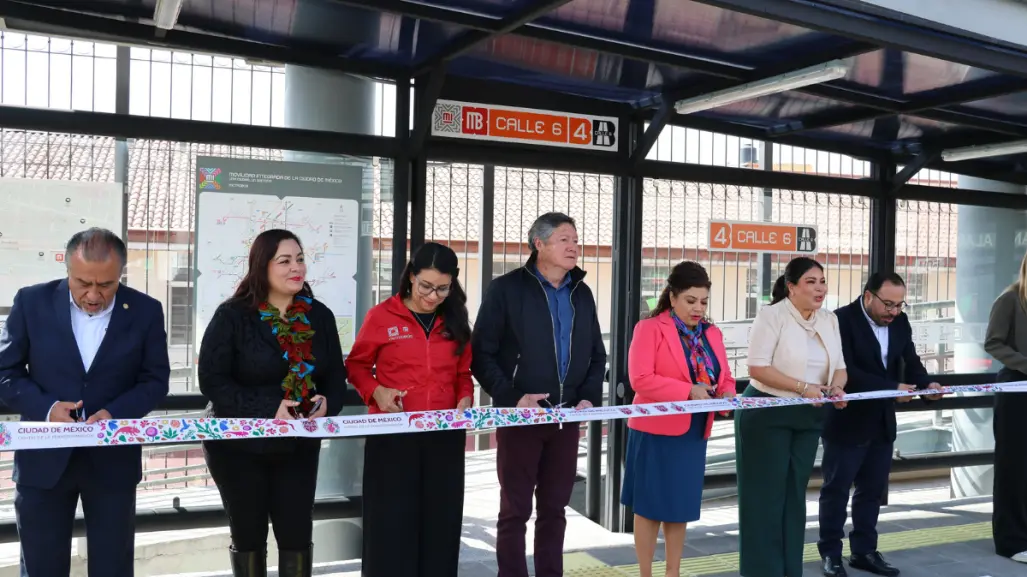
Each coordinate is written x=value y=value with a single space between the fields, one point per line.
x=238 y=199
x=38 y=218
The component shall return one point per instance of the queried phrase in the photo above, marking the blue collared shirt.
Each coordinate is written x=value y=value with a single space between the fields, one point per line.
x=563 y=318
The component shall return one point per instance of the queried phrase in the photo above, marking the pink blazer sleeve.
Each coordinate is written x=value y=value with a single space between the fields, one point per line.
x=642 y=367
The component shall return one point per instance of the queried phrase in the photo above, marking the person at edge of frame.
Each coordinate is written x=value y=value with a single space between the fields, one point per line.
x=858 y=442
x=112 y=363
x=1006 y=341
x=271 y=350
x=413 y=353
x=795 y=350
x=537 y=343
x=677 y=354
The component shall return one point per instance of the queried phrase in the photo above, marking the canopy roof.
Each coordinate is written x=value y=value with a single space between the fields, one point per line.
x=913 y=89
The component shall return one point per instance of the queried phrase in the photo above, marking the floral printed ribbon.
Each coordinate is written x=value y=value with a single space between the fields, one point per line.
x=16 y=436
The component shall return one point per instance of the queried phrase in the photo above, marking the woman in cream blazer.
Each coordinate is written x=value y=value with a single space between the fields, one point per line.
x=795 y=350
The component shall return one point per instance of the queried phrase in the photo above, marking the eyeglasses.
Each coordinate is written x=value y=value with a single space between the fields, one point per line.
x=888 y=305
x=425 y=289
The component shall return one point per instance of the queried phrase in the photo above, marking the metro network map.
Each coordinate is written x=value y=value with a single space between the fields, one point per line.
x=228 y=223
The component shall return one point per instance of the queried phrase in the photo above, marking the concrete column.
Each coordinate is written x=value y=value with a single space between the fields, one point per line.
x=332 y=101
x=987 y=261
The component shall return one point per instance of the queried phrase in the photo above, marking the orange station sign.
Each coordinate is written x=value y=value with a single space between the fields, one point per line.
x=508 y=124
x=732 y=236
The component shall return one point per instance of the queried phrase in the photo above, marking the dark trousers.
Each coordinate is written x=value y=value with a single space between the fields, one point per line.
x=539 y=460
x=45 y=518
x=413 y=504
x=775 y=449
x=1009 y=520
x=866 y=466
x=258 y=486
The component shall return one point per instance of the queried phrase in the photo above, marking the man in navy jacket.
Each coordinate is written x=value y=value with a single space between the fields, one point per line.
x=86 y=349
x=877 y=342
x=537 y=342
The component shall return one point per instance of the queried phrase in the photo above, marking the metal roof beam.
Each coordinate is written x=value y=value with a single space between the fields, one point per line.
x=807 y=59
x=537 y=31
x=883 y=32
x=74 y=23
x=468 y=40
x=428 y=97
x=656 y=126
x=848 y=148
x=911 y=169
x=941 y=98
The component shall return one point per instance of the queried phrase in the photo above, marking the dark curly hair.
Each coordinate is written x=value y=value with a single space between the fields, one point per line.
x=685 y=275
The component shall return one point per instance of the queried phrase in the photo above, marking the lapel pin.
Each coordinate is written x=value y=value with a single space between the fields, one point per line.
x=125 y=306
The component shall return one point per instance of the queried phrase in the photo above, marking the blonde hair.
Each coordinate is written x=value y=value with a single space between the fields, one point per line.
x=1021 y=284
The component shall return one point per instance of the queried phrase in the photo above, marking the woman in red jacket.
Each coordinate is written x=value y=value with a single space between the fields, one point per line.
x=413 y=354
x=675 y=355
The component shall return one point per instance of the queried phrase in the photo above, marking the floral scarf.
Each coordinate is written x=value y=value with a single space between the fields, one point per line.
x=698 y=356
x=294 y=334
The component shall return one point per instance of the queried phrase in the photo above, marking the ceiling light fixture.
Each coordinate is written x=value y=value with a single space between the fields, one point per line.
x=165 y=14
x=807 y=76
x=985 y=151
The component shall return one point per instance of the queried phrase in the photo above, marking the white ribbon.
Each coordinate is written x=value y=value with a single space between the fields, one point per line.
x=16 y=436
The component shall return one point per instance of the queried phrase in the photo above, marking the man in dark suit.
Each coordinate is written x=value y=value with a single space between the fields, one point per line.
x=877 y=342
x=86 y=349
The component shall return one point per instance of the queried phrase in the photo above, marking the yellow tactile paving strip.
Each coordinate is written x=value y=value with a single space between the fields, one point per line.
x=585 y=565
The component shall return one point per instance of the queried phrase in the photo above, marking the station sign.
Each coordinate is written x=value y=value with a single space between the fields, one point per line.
x=465 y=120
x=768 y=237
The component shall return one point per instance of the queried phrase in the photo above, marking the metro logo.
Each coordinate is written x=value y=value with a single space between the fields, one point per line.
x=476 y=120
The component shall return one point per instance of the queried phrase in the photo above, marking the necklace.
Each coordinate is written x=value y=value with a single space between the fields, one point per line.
x=427 y=327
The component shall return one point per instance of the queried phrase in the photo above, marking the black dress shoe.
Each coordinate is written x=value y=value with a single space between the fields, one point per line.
x=873 y=563
x=833 y=567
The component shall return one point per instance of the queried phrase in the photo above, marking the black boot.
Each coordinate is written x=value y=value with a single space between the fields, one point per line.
x=248 y=563
x=296 y=563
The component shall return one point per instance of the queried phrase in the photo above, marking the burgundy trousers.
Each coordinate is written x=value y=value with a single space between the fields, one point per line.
x=539 y=460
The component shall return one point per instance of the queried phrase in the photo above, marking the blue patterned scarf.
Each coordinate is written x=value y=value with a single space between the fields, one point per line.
x=698 y=356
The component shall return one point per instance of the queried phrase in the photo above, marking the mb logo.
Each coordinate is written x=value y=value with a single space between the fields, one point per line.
x=604 y=133
x=806 y=240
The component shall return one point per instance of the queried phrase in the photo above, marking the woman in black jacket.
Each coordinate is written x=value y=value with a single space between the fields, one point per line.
x=270 y=351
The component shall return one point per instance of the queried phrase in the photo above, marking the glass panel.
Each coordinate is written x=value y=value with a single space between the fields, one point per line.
x=523 y=195
x=453 y=218
x=676 y=226
x=44 y=72
x=954 y=268
x=162 y=231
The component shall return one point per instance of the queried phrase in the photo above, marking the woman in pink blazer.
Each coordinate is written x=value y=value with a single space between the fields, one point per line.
x=676 y=355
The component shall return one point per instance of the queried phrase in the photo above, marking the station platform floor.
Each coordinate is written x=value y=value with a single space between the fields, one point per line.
x=923 y=532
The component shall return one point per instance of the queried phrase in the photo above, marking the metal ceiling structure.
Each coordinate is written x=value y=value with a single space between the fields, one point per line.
x=912 y=90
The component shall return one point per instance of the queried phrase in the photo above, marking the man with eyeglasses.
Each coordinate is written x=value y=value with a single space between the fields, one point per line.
x=877 y=342
x=537 y=343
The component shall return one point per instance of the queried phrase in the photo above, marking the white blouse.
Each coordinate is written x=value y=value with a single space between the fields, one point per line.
x=816 y=362
x=777 y=339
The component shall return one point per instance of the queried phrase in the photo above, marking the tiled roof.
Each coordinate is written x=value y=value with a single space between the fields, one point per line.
x=675 y=214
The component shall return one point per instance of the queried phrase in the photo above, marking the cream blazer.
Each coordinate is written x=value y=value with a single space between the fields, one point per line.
x=778 y=340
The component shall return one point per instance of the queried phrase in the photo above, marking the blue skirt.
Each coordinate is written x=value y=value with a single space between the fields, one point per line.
x=663 y=475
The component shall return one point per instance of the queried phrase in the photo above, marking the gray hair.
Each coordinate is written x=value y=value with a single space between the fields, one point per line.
x=544 y=226
x=97 y=245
